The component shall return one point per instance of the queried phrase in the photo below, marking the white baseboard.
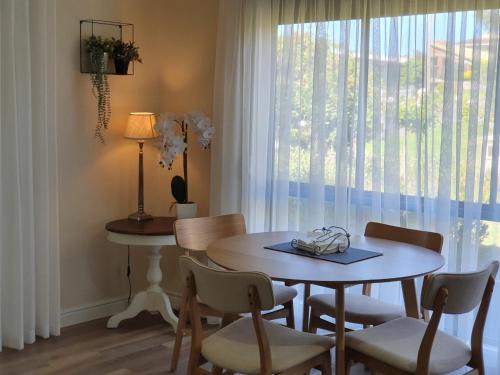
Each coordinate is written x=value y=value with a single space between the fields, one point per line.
x=102 y=309
x=92 y=311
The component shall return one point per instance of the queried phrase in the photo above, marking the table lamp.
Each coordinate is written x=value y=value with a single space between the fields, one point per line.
x=140 y=126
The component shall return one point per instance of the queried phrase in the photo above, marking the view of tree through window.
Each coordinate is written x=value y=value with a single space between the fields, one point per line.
x=398 y=108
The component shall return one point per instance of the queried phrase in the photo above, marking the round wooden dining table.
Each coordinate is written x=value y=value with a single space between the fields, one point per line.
x=399 y=262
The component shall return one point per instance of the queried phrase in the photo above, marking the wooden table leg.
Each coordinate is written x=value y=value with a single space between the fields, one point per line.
x=339 y=331
x=305 y=308
x=410 y=297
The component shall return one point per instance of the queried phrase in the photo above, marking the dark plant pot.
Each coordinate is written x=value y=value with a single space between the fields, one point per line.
x=121 y=67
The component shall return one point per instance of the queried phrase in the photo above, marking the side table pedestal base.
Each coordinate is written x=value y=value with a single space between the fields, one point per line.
x=152 y=299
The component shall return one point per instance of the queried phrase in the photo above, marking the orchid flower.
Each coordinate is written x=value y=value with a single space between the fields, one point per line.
x=170 y=144
x=201 y=126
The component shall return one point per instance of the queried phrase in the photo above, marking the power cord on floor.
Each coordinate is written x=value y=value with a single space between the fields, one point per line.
x=128 y=275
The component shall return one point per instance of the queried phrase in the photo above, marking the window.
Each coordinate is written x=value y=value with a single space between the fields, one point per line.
x=397 y=99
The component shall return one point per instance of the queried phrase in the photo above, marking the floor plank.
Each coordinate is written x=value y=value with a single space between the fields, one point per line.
x=138 y=346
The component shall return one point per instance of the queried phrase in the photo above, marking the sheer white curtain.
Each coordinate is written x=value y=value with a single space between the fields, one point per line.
x=340 y=112
x=29 y=258
x=243 y=110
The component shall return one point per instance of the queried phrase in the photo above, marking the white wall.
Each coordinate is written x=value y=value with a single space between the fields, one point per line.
x=97 y=183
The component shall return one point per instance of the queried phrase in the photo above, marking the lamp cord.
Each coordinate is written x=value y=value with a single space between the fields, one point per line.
x=128 y=275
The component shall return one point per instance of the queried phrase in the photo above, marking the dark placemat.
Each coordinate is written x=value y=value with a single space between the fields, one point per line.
x=351 y=255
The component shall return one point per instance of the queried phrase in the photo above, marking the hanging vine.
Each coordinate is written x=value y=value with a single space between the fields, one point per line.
x=98 y=50
x=102 y=92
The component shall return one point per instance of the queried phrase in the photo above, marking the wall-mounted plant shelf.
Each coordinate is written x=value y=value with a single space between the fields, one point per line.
x=105 y=29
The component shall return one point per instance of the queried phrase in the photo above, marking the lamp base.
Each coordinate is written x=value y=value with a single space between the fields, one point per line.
x=140 y=216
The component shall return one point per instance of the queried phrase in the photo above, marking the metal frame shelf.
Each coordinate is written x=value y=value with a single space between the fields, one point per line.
x=118 y=30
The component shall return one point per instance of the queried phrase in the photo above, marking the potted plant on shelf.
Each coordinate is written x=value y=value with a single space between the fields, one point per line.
x=123 y=53
x=98 y=50
x=171 y=145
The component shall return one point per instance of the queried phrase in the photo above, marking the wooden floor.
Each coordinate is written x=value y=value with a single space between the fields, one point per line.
x=139 y=346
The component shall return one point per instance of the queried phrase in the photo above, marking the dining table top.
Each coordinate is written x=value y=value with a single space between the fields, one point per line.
x=399 y=261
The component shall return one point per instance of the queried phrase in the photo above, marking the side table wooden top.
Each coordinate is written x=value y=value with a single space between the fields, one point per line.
x=158 y=226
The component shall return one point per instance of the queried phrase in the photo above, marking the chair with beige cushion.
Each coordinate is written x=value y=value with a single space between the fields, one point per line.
x=412 y=346
x=195 y=235
x=361 y=308
x=249 y=345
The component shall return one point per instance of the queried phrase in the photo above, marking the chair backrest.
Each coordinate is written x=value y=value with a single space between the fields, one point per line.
x=197 y=233
x=465 y=290
x=430 y=240
x=227 y=291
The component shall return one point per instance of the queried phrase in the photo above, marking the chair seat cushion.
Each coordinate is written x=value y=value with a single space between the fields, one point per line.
x=397 y=343
x=235 y=347
x=283 y=293
x=359 y=308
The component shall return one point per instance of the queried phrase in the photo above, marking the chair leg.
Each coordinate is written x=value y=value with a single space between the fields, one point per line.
x=348 y=368
x=313 y=322
x=183 y=315
x=348 y=363
x=305 y=311
x=290 y=318
x=326 y=368
x=192 y=367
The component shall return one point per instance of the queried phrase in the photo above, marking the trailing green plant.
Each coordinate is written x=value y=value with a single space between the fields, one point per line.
x=97 y=48
x=125 y=51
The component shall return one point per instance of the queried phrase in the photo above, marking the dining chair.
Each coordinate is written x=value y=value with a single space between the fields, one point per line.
x=194 y=235
x=249 y=345
x=362 y=308
x=412 y=346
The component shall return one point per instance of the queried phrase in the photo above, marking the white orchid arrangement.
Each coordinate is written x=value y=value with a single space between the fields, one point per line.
x=171 y=144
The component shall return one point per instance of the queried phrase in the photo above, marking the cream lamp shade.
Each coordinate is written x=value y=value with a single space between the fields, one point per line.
x=141 y=125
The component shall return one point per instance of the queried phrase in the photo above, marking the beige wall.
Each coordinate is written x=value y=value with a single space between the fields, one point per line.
x=97 y=183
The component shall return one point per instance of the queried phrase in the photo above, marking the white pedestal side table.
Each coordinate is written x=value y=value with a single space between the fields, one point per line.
x=154 y=234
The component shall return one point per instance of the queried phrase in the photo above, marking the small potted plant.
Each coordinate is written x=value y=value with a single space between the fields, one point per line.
x=184 y=209
x=123 y=53
x=172 y=144
x=98 y=50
